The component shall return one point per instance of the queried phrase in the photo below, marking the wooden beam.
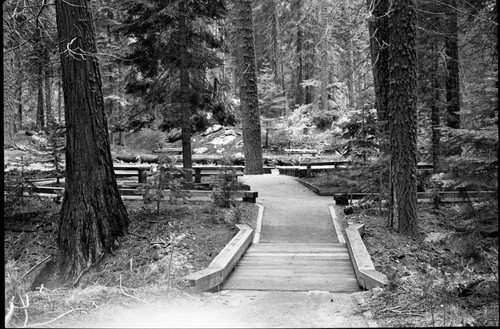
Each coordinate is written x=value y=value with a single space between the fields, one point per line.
x=223 y=263
x=366 y=274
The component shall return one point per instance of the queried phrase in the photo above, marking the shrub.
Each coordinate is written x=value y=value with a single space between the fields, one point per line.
x=226 y=182
x=167 y=177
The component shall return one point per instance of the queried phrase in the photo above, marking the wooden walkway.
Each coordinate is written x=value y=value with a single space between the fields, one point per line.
x=294 y=267
x=299 y=249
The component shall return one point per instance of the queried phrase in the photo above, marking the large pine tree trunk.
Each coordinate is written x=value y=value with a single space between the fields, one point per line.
x=93 y=215
x=403 y=117
x=187 y=160
x=249 y=105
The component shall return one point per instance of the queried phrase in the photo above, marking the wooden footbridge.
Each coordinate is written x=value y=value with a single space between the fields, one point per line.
x=297 y=247
x=295 y=267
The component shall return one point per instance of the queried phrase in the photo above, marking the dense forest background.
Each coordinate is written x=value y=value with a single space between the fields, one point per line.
x=313 y=65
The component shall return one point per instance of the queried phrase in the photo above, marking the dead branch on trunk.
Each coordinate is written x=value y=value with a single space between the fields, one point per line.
x=35 y=266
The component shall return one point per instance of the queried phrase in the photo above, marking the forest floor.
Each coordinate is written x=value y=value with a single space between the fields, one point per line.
x=149 y=264
x=449 y=277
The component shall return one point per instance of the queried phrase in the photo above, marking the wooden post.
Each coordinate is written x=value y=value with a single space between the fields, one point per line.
x=197 y=175
x=121 y=139
x=111 y=138
x=142 y=175
x=308 y=173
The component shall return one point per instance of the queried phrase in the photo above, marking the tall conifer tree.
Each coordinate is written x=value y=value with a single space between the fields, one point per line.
x=403 y=117
x=93 y=215
x=173 y=41
x=249 y=102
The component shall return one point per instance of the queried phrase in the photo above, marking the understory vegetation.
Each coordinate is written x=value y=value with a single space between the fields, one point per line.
x=448 y=278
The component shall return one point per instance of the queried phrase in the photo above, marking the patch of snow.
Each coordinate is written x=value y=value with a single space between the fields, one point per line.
x=211 y=130
x=223 y=140
x=436 y=236
x=200 y=150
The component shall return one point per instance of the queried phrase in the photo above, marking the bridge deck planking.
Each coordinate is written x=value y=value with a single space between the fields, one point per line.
x=294 y=267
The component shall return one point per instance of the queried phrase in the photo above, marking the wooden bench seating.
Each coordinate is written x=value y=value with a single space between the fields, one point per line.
x=205 y=171
x=301 y=151
x=139 y=171
x=332 y=163
x=137 y=193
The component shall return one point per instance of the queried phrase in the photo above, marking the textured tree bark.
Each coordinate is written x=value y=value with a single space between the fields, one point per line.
x=249 y=105
x=93 y=215
x=403 y=117
x=187 y=160
x=379 y=44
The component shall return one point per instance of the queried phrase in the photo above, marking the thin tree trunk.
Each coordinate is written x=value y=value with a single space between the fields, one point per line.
x=403 y=117
x=59 y=98
x=276 y=46
x=48 y=94
x=324 y=69
x=93 y=215
x=184 y=92
x=249 y=105
x=299 y=94
x=350 y=74
x=40 y=122
x=379 y=42
x=435 y=113
x=452 y=66
x=309 y=69
x=20 y=98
